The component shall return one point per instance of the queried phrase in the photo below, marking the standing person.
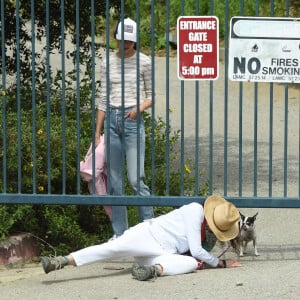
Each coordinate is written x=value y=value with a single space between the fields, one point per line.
x=122 y=109
x=159 y=245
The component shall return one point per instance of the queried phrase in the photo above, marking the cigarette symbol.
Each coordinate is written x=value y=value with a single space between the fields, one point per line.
x=285 y=49
x=254 y=48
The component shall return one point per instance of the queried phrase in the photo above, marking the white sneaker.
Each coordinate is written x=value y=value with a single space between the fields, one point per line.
x=114 y=237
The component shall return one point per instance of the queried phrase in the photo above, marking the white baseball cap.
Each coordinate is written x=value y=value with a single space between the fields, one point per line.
x=129 y=30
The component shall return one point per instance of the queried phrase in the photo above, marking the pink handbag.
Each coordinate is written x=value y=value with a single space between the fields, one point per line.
x=86 y=171
x=86 y=166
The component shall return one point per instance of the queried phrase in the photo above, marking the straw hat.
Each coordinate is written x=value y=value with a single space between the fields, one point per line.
x=222 y=217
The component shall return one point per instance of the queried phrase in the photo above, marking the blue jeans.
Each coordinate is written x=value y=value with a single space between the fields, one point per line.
x=116 y=164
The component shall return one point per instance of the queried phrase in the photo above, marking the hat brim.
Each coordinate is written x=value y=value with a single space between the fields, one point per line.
x=127 y=37
x=209 y=206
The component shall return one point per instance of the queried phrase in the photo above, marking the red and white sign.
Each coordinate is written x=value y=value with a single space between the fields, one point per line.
x=198 y=47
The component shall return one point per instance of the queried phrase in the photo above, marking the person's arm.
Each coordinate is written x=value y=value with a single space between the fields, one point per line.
x=100 y=103
x=147 y=103
x=147 y=76
x=100 y=116
x=193 y=216
x=133 y=112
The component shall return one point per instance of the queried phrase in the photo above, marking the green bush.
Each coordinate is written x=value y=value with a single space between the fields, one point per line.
x=54 y=224
x=179 y=8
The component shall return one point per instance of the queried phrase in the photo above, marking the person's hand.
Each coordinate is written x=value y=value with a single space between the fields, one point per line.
x=97 y=139
x=131 y=114
x=231 y=263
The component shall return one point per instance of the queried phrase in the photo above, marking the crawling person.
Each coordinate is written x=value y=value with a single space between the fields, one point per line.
x=158 y=245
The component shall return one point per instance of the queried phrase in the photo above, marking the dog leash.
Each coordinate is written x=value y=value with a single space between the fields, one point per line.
x=229 y=246
x=201 y=263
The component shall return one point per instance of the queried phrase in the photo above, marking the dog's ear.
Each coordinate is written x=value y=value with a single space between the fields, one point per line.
x=254 y=217
x=242 y=216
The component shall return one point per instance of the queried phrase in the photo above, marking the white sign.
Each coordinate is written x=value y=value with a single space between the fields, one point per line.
x=264 y=49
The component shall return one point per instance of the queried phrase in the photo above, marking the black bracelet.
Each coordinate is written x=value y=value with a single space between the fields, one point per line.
x=224 y=263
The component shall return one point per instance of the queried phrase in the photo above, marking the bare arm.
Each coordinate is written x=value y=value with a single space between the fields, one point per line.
x=132 y=114
x=100 y=116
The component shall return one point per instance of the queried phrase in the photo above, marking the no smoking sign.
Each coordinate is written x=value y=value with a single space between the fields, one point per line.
x=198 y=48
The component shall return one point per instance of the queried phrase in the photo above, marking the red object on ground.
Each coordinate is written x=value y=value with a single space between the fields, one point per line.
x=17 y=248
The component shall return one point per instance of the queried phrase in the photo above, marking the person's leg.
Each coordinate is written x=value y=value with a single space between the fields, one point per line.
x=163 y=265
x=116 y=170
x=176 y=264
x=127 y=245
x=137 y=180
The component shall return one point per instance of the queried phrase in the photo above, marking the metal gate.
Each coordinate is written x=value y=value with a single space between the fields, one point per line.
x=240 y=140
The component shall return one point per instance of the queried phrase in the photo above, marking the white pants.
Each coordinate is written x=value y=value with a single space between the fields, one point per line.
x=139 y=243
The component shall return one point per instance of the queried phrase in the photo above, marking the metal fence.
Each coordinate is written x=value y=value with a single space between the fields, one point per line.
x=237 y=139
